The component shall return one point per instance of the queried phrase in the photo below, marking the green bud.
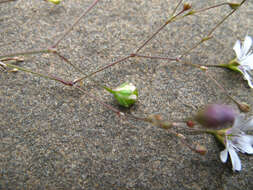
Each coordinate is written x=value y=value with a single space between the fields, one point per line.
x=54 y=1
x=187 y=6
x=234 y=5
x=126 y=94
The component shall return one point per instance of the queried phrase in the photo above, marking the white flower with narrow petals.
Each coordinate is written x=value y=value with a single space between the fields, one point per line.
x=236 y=140
x=244 y=59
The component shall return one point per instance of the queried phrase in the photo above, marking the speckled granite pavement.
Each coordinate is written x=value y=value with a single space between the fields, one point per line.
x=55 y=137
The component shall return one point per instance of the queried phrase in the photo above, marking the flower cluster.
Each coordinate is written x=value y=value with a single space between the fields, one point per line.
x=236 y=140
x=243 y=62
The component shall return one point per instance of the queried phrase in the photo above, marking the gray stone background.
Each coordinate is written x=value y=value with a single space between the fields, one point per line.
x=55 y=137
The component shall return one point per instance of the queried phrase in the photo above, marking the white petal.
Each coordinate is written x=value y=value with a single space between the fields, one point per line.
x=247 y=76
x=224 y=155
x=248 y=61
x=238 y=50
x=238 y=123
x=246 y=45
x=245 y=143
x=248 y=126
x=236 y=162
x=131 y=87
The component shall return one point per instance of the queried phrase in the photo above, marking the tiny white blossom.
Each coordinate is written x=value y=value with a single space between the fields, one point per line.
x=236 y=140
x=245 y=58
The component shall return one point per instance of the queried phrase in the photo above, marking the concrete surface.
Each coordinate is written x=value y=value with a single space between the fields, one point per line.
x=55 y=137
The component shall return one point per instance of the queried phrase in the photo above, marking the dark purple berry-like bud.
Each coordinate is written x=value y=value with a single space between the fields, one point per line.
x=215 y=115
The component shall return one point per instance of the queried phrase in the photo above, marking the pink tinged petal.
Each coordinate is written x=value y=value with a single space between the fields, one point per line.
x=238 y=50
x=224 y=155
x=246 y=45
x=235 y=160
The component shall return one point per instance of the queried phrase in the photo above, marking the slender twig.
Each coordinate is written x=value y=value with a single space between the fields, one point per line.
x=68 y=83
x=6 y=1
x=68 y=62
x=74 y=24
x=133 y=54
x=119 y=113
x=209 y=35
x=17 y=59
x=171 y=19
x=174 y=11
x=40 y=51
x=157 y=31
x=223 y=20
x=103 y=68
x=208 y=8
x=156 y=57
x=195 y=46
x=52 y=49
x=223 y=89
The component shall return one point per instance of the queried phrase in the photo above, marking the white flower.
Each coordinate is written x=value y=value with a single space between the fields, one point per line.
x=245 y=58
x=236 y=140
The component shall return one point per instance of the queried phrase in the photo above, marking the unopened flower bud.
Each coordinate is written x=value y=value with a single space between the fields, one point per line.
x=216 y=115
x=187 y=6
x=201 y=149
x=126 y=94
x=54 y=1
x=190 y=123
x=234 y=5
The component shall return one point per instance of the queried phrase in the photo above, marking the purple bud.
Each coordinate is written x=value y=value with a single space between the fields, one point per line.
x=215 y=115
